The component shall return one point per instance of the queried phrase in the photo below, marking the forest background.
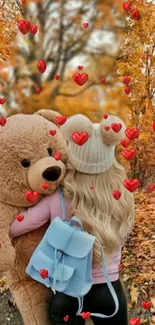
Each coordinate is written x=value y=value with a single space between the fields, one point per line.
x=113 y=45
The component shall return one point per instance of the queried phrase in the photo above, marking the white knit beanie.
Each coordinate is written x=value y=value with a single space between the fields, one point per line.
x=97 y=154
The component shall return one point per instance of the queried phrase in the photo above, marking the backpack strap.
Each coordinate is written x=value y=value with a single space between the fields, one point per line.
x=112 y=291
x=62 y=202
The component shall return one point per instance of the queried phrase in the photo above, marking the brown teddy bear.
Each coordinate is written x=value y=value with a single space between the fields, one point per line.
x=27 y=164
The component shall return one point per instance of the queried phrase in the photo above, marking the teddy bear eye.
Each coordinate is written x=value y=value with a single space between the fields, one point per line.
x=25 y=163
x=49 y=151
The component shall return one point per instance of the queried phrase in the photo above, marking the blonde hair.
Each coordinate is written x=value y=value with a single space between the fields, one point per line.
x=108 y=219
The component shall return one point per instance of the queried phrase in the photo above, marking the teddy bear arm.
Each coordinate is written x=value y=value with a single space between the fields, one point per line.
x=7 y=252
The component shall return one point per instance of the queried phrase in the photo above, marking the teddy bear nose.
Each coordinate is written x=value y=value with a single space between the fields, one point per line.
x=52 y=173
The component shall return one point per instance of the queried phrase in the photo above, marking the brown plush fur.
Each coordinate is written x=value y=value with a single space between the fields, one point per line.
x=26 y=137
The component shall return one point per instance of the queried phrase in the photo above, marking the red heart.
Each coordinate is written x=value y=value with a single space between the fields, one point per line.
x=57 y=155
x=2 y=121
x=80 y=79
x=127 y=90
x=134 y=321
x=126 y=80
x=23 y=26
x=129 y=154
x=131 y=133
x=153 y=125
x=105 y=116
x=80 y=67
x=33 y=29
x=120 y=266
x=146 y=304
x=125 y=143
x=116 y=127
x=85 y=25
x=85 y=315
x=44 y=273
x=41 y=66
x=23 y=1
x=80 y=138
x=66 y=318
x=32 y=196
x=151 y=187
x=135 y=14
x=57 y=77
x=116 y=195
x=2 y=101
x=107 y=128
x=127 y=6
x=38 y=90
x=20 y=218
x=91 y=187
x=131 y=184
x=45 y=186
x=61 y=119
x=103 y=80
x=52 y=132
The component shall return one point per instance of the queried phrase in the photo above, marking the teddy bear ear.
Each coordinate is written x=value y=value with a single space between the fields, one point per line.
x=113 y=135
x=49 y=115
x=76 y=123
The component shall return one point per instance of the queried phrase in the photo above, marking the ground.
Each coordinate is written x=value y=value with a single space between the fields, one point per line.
x=137 y=272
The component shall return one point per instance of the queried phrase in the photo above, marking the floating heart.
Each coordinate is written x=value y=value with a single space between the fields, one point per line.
x=32 y=196
x=80 y=67
x=125 y=143
x=135 y=14
x=80 y=79
x=20 y=218
x=146 y=304
x=85 y=315
x=61 y=119
x=66 y=318
x=127 y=90
x=126 y=80
x=2 y=121
x=107 y=128
x=103 y=80
x=91 y=187
x=116 y=195
x=131 y=184
x=57 y=155
x=23 y=26
x=2 y=101
x=57 y=77
x=44 y=273
x=151 y=187
x=38 y=90
x=33 y=29
x=116 y=127
x=127 y=6
x=45 y=186
x=120 y=266
x=23 y=1
x=134 y=321
x=52 y=132
x=85 y=25
x=105 y=116
x=153 y=125
x=131 y=133
x=129 y=154
x=41 y=66
x=80 y=138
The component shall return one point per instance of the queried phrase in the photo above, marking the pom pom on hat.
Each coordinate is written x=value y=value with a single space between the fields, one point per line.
x=76 y=123
x=110 y=137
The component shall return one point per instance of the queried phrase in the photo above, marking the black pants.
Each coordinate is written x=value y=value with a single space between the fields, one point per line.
x=98 y=300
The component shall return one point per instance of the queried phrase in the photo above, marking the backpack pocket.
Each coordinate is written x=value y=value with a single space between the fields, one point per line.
x=59 y=274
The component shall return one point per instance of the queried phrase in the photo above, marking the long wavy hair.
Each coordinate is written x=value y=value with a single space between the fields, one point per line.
x=108 y=219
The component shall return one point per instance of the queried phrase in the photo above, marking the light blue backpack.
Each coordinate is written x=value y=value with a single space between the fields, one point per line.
x=66 y=252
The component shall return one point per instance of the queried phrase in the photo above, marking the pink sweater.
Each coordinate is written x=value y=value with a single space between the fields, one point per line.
x=49 y=208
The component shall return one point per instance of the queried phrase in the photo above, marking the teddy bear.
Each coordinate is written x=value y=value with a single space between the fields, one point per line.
x=33 y=159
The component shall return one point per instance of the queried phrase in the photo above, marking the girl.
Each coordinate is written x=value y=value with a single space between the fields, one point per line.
x=93 y=175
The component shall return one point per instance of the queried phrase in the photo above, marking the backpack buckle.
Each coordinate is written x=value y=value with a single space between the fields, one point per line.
x=61 y=252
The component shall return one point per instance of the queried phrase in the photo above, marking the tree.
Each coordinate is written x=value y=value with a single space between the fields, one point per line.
x=137 y=60
x=61 y=37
